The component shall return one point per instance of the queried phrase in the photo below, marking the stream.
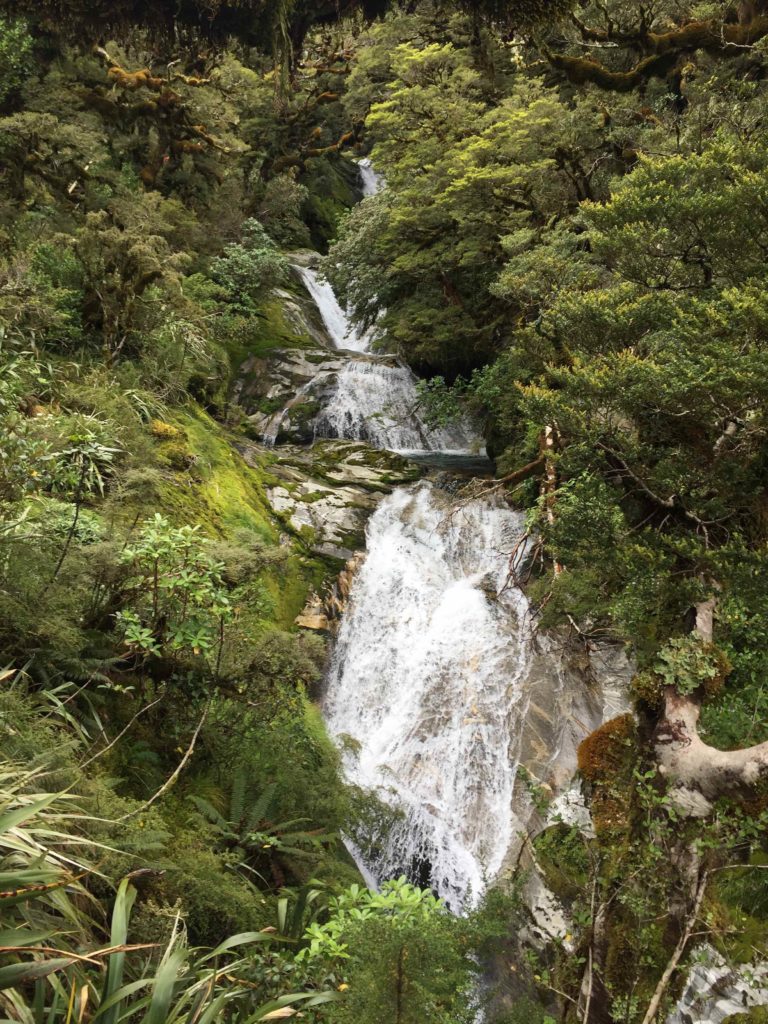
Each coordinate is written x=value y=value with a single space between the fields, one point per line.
x=438 y=693
x=433 y=677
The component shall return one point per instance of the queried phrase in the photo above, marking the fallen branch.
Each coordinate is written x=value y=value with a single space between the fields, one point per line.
x=174 y=776
x=121 y=733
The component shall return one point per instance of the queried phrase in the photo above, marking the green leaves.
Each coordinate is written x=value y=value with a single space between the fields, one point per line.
x=16 y=59
x=248 y=268
x=690 y=664
x=176 y=588
x=398 y=901
x=121 y=913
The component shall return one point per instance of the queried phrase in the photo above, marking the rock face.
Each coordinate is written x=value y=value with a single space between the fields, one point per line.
x=283 y=394
x=716 y=991
x=326 y=493
x=564 y=706
x=323 y=613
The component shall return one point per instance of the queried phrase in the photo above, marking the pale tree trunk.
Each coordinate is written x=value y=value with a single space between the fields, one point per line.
x=549 y=484
x=697 y=773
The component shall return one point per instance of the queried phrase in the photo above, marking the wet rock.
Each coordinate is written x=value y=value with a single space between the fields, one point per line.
x=324 y=613
x=326 y=493
x=714 y=990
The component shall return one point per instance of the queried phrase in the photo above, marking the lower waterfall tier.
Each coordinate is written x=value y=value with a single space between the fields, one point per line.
x=428 y=681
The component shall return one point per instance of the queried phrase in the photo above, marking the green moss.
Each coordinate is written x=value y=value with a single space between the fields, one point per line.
x=755 y=1015
x=176 y=455
x=739 y=900
x=261 y=335
x=222 y=493
x=230 y=492
x=564 y=860
x=647 y=687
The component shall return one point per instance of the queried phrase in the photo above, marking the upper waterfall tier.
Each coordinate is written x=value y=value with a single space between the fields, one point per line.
x=341 y=331
x=370 y=180
x=377 y=401
x=342 y=390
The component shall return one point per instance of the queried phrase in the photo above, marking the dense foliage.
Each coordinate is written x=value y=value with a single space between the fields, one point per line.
x=572 y=239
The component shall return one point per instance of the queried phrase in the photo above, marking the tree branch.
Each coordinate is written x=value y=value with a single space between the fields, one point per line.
x=698 y=773
x=663 y=51
x=661 y=988
x=174 y=776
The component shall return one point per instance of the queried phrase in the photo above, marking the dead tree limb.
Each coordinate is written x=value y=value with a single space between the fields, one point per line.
x=669 y=970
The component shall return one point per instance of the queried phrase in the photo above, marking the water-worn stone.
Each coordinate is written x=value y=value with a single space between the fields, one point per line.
x=327 y=492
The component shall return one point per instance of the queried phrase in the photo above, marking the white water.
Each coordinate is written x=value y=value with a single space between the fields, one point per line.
x=342 y=333
x=377 y=402
x=428 y=678
x=373 y=399
x=371 y=182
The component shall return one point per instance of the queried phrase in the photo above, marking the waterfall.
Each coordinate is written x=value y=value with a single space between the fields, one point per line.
x=370 y=181
x=428 y=683
x=342 y=333
x=372 y=398
x=376 y=401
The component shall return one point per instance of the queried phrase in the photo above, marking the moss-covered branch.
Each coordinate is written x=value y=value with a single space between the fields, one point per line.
x=662 y=49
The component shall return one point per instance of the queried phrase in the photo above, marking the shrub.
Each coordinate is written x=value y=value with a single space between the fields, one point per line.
x=249 y=268
x=15 y=56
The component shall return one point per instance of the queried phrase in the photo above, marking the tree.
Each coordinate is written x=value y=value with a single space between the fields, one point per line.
x=174 y=591
x=419 y=259
x=404 y=957
x=249 y=268
x=15 y=56
x=655 y=385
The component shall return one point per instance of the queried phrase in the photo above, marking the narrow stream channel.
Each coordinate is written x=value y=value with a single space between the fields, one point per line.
x=434 y=673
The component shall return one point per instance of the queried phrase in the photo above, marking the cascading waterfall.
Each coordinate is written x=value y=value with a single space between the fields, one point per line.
x=373 y=399
x=377 y=402
x=370 y=181
x=341 y=332
x=428 y=681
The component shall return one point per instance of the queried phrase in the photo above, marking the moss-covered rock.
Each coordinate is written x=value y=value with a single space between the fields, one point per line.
x=755 y=1015
x=326 y=493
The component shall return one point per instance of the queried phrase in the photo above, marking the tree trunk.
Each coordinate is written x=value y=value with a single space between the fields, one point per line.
x=697 y=773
